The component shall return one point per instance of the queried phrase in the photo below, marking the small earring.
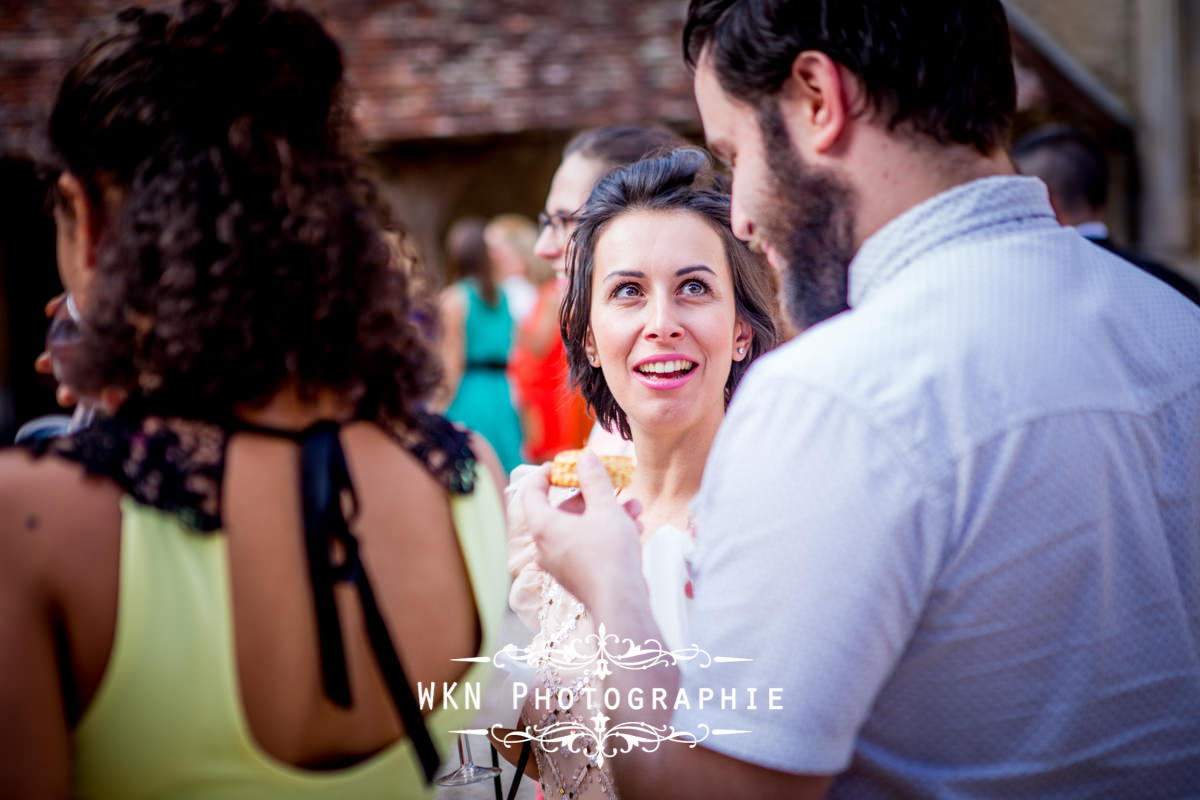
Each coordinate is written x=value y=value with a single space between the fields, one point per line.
x=741 y=351
x=595 y=362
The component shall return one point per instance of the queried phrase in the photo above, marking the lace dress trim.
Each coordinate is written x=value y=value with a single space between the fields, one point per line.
x=177 y=465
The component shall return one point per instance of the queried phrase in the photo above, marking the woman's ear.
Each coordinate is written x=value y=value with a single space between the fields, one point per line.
x=743 y=337
x=589 y=348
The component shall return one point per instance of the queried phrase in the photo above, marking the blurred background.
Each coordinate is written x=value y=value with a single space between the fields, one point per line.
x=465 y=106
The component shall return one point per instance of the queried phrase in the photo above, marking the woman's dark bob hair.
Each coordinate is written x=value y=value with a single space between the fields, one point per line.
x=681 y=180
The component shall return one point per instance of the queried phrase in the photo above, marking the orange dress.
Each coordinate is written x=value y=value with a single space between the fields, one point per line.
x=553 y=415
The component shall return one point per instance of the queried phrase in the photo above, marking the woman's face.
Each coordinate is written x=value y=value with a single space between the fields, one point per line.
x=74 y=240
x=569 y=190
x=663 y=324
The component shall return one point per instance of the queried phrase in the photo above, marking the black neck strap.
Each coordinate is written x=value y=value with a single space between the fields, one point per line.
x=329 y=508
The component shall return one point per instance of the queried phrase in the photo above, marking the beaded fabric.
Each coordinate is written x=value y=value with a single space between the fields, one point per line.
x=177 y=465
x=563 y=628
x=563 y=622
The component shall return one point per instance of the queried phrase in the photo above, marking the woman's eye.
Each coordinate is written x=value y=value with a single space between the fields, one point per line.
x=694 y=287
x=626 y=290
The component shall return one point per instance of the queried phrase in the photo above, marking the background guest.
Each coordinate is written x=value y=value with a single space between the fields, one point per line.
x=510 y=239
x=476 y=331
x=1075 y=170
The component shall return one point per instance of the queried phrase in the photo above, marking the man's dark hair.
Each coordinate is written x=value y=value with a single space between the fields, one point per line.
x=681 y=180
x=618 y=145
x=939 y=68
x=1072 y=165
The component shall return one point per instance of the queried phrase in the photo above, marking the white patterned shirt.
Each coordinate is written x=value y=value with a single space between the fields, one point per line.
x=959 y=525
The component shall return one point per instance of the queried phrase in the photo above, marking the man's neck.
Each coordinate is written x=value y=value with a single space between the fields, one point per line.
x=893 y=174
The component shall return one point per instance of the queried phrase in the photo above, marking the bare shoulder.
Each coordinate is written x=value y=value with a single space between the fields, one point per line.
x=51 y=515
x=486 y=456
x=452 y=302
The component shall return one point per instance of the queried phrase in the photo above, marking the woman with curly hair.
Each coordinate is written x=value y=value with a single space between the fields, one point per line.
x=233 y=584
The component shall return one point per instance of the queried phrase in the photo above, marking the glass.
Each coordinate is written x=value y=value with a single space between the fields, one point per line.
x=469 y=771
x=62 y=341
x=557 y=220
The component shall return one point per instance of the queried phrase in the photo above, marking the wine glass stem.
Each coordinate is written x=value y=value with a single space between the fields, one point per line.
x=464 y=751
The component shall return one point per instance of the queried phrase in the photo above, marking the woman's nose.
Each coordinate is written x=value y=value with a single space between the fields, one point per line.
x=662 y=320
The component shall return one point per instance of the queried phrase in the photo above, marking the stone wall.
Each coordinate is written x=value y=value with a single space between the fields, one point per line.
x=1103 y=36
x=1097 y=32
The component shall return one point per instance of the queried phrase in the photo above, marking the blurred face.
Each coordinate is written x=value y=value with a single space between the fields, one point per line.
x=569 y=190
x=74 y=239
x=663 y=323
x=505 y=259
x=800 y=216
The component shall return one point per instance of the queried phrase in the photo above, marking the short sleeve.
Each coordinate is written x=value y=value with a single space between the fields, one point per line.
x=815 y=552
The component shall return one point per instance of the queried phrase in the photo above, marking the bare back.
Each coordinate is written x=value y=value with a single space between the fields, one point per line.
x=63 y=531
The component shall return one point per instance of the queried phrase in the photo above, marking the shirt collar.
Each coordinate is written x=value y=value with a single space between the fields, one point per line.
x=1093 y=230
x=971 y=210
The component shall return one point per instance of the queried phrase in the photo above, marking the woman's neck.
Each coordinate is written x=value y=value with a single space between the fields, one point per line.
x=669 y=469
x=286 y=409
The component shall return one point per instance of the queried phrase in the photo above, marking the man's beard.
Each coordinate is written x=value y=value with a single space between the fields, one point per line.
x=807 y=217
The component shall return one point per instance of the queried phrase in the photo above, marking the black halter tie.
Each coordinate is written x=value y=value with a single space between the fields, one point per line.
x=330 y=506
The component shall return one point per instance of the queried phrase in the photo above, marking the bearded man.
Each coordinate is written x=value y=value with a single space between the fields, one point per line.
x=954 y=523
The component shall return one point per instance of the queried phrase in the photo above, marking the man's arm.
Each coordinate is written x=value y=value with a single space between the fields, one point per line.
x=596 y=555
x=452 y=344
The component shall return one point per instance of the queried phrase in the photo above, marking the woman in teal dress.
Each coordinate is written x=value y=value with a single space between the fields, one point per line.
x=476 y=337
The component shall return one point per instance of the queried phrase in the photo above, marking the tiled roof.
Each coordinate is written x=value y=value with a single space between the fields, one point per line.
x=427 y=68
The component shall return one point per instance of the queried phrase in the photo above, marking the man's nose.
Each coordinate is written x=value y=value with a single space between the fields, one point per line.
x=548 y=245
x=739 y=220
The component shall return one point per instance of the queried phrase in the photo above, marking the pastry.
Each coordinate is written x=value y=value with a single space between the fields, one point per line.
x=562 y=471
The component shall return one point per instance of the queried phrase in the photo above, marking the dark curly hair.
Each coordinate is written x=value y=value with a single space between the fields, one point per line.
x=681 y=180
x=939 y=68
x=246 y=250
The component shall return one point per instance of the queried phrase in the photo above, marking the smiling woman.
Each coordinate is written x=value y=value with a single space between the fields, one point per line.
x=672 y=214
x=665 y=309
x=663 y=327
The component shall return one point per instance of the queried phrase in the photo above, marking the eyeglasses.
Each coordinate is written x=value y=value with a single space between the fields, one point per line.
x=557 y=220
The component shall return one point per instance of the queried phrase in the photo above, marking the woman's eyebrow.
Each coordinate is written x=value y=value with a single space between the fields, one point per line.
x=624 y=273
x=694 y=268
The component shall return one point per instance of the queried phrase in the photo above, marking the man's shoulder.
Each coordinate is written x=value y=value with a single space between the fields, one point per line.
x=960 y=348
x=1158 y=269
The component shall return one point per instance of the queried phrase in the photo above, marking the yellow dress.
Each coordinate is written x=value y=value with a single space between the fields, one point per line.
x=166 y=720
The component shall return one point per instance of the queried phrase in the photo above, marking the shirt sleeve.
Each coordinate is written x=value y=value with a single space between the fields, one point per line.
x=815 y=551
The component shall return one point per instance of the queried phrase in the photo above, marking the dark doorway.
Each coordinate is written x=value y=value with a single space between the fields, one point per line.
x=28 y=278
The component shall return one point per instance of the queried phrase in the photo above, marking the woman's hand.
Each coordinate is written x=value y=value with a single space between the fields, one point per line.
x=64 y=395
x=525 y=596
x=591 y=544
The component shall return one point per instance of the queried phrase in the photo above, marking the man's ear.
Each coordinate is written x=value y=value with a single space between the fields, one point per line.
x=83 y=216
x=743 y=337
x=816 y=100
